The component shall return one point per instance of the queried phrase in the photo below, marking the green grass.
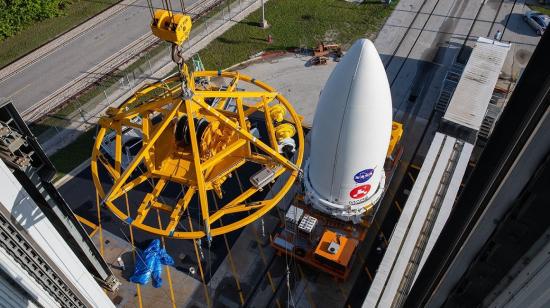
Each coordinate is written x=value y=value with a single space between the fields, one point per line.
x=295 y=24
x=69 y=157
x=41 y=32
x=542 y=9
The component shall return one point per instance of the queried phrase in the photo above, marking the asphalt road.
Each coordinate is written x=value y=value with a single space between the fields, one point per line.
x=79 y=55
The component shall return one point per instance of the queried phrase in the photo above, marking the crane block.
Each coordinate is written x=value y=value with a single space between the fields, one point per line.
x=171 y=27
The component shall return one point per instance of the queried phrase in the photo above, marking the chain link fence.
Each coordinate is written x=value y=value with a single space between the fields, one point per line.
x=83 y=111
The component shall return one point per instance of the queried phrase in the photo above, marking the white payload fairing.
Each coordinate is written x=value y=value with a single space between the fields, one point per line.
x=351 y=132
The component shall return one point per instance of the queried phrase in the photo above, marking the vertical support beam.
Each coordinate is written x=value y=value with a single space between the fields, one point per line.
x=203 y=199
x=118 y=147
x=242 y=120
x=139 y=157
x=146 y=132
x=181 y=207
x=145 y=206
x=269 y=124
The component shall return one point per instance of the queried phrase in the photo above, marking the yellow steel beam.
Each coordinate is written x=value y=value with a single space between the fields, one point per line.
x=88 y=223
x=103 y=160
x=170 y=177
x=240 y=112
x=145 y=206
x=242 y=121
x=260 y=159
x=162 y=206
x=241 y=198
x=230 y=88
x=146 y=131
x=118 y=146
x=161 y=102
x=269 y=124
x=181 y=207
x=137 y=160
x=198 y=107
x=235 y=209
x=253 y=108
x=243 y=94
x=203 y=199
x=130 y=185
x=93 y=163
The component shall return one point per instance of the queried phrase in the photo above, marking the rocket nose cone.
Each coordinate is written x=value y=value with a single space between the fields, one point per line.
x=362 y=47
x=352 y=127
x=364 y=44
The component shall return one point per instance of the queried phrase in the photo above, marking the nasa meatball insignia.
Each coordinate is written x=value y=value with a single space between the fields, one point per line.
x=363 y=175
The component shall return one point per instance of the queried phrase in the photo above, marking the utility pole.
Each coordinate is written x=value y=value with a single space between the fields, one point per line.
x=264 y=22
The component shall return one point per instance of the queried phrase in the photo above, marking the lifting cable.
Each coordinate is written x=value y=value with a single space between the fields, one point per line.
x=293 y=262
x=197 y=254
x=182 y=7
x=262 y=255
x=101 y=248
x=292 y=257
x=168 y=276
x=140 y=302
x=200 y=264
x=150 y=6
x=231 y=263
x=168 y=4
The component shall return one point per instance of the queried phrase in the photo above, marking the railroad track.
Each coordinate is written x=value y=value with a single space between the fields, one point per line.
x=125 y=56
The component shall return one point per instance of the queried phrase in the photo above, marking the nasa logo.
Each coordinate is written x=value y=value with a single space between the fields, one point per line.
x=360 y=191
x=363 y=176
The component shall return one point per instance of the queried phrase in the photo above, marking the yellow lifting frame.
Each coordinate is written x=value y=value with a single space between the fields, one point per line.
x=173 y=107
x=203 y=199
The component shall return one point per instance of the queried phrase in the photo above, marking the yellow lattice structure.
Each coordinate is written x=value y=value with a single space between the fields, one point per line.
x=196 y=136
